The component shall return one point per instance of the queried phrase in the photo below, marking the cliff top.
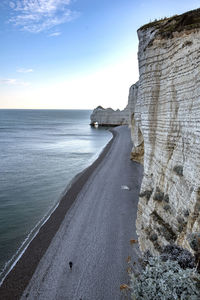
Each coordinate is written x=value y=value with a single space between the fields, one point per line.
x=166 y=27
x=100 y=107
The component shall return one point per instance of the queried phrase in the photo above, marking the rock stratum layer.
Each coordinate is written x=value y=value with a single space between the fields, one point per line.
x=166 y=132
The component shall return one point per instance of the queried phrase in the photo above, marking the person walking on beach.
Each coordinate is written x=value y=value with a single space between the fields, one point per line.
x=70 y=265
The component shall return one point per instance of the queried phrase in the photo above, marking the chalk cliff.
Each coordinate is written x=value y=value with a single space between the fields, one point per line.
x=166 y=132
x=110 y=117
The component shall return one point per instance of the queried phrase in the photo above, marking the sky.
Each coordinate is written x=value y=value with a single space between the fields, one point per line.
x=73 y=54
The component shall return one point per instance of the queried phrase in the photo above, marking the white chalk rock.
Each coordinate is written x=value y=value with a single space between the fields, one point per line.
x=166 y=135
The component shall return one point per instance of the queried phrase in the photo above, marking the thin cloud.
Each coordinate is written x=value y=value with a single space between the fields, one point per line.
x=10 y=81
x=13 y=82
x=39 y=15
x=55 y=34
x=23 y=70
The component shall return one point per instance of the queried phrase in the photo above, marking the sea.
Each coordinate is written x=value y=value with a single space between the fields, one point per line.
x=40 y=153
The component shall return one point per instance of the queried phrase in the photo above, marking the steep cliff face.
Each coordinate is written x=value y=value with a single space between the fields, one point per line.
x=110 y=117
x=166 y=131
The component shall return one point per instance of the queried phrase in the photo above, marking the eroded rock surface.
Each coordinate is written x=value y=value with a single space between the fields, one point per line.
x=166 y=131
x=110 y=117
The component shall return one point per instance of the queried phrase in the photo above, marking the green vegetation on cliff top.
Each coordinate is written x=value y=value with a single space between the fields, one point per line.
x=187 y=21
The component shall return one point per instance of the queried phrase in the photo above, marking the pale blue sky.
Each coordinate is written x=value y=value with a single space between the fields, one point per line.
x=73 y=53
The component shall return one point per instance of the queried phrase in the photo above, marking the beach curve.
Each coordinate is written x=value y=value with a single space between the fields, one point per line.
x=50 y=233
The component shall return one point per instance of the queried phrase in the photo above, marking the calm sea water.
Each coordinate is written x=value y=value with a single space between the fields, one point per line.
x=40 y=152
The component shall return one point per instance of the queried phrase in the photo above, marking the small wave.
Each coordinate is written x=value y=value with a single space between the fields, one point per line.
x=16 y=257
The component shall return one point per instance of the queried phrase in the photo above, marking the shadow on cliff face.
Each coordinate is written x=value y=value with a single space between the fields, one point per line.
x=137 y=153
